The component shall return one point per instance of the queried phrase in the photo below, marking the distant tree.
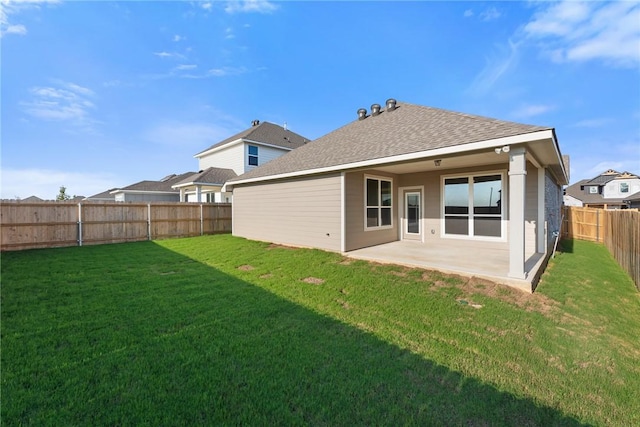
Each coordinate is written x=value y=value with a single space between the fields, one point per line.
x=62 y=195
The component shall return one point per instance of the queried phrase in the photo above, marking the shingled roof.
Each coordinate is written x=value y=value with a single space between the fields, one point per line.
x=267 y=133
x=163 y=185
x=214 y=176
x=407 y=129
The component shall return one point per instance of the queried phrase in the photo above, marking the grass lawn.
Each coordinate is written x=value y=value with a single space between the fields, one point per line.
x=220 y=330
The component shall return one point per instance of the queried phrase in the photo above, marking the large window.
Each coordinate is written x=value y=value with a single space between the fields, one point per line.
x=473 y=206
x=624 y=187
x=253 y=155
x=378 y=209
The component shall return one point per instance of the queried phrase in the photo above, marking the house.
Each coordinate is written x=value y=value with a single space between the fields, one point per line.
x=234 y=156
x=104 y=196
x=418 y=186
x=151 y=191
x=609 y=190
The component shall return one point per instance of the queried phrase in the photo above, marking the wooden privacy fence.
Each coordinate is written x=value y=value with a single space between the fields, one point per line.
x=618 y=230
x=57 y=224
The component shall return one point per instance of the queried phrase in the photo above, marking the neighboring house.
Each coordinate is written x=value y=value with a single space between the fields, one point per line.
x=32 y=199
x=609 y=190
x=105 y=196
x=151 y=191
x=633 y=202
x=234 y=156
x=410 y=184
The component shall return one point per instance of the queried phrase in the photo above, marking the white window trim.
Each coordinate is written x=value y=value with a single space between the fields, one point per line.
x=257 y=156
x=364 y=184
x=503 y=215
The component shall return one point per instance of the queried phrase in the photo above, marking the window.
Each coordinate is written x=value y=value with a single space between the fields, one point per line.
x=473 y=206
x=253 y=155
x=624 y=187
x=593 y=190
x=378 y=209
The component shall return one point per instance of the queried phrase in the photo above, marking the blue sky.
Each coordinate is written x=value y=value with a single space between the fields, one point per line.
x=100 y=94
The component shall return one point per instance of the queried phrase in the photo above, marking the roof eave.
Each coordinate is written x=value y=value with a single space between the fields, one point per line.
x=456 y=149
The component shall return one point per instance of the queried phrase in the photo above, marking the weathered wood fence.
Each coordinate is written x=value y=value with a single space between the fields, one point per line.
x=618 y=230
x=56 y=224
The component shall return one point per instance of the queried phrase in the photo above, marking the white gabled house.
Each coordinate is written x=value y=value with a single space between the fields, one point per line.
x=238 y=154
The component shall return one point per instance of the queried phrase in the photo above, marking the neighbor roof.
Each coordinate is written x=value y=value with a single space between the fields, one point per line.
x=407 y=129
x=267 y=133
x=164 y=186
x=217 y=176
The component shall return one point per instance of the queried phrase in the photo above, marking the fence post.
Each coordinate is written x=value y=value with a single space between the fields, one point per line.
x=201 y=221
x=79 y=224
x=148 y=221
x=598 y=226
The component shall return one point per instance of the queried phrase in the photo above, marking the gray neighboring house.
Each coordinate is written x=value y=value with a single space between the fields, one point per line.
x=105 y=196
x=418 y=186
x=205 y=186
x=151 y=191
x=609 y=190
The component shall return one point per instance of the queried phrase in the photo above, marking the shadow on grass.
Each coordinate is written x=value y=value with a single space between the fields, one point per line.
x=161 y=339
x=566 y=246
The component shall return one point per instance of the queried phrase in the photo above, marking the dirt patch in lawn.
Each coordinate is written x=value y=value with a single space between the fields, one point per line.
x=475 y=286
x=246 y=267
x=266 y=276
x=276 y=246
x=313 y=280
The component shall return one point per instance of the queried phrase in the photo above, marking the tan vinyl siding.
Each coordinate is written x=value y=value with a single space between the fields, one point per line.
x=301 y=212
x=356 y=236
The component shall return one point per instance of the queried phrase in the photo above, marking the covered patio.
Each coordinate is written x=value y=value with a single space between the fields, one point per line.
x=460 y=257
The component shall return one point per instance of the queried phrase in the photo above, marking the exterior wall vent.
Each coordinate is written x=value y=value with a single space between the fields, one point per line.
x=391 y=104
x=255 y=122
x=362 y=113
x=375 y=109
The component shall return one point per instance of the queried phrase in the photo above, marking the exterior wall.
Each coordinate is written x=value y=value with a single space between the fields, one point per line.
x=302 y=212
x=356 y=236
x=265 y=154
x=612 y=188
x=147 y=197
x=552 y=206
x=228 y=158
x=571 y=201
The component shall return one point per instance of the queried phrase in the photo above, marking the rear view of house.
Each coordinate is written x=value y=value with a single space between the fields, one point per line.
x=409 y=184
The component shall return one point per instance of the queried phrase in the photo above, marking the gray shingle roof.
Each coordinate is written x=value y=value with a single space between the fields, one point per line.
x=267 y=133
x=209 y=176
x=408 y=129
x=164 y=186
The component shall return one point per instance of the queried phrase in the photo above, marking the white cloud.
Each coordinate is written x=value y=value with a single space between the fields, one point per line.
x=468 y=13
x=249 y=6
x=226 y=71
x=14 y=7
x=178 y=38
x=495 y=67
x=490 y=14
x=183 y=67
x=63 y=102
x=172 y=55
x=46 y=183
x=206 y=6
x=229 y=33
x=527 y=111
x=572 y=31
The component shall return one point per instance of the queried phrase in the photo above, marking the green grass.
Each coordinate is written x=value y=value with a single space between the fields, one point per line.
x=220 y=330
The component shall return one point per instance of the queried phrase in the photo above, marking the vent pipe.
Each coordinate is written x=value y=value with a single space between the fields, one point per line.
x=255 y=122
x=375 y=109
x=391 y=104
x=362 y=113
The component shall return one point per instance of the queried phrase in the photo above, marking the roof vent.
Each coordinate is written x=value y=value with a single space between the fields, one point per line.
x=391 y=104
x=375 y=109
x=255 y=122
x=362 y=113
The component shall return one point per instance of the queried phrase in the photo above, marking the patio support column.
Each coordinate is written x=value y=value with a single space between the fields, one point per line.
x=198 y=193
x=541 y=238
x=517 y=192
x=182 y=192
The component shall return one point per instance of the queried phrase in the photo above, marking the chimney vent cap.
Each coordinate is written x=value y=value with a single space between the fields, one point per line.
x=362 y=113
x=391 y=104
x=375 y=109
